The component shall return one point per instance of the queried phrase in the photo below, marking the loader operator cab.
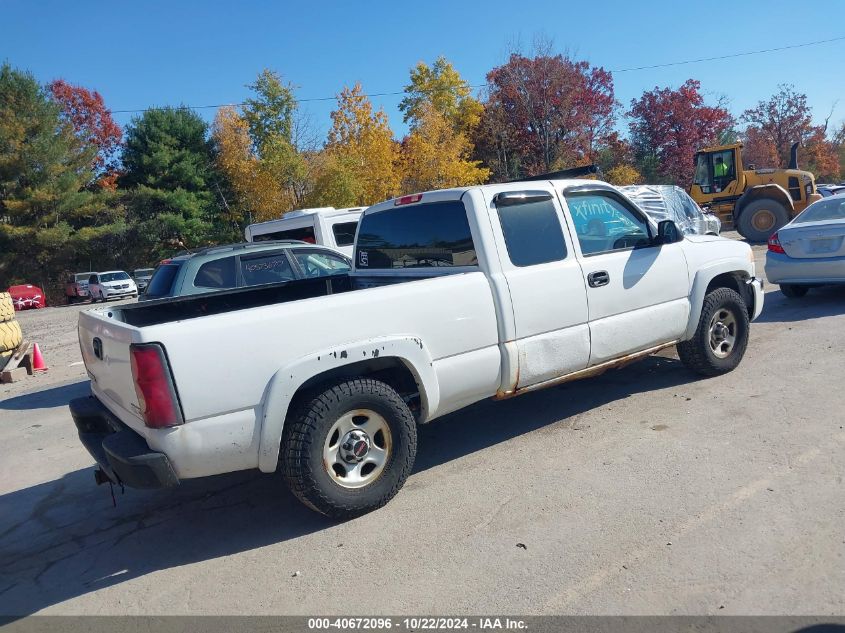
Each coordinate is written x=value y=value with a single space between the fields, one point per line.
x=715 y=171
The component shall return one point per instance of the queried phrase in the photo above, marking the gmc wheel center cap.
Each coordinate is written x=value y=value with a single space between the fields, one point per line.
x=355 y=446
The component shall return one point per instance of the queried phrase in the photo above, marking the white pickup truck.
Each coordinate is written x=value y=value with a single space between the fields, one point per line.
x=455 y=296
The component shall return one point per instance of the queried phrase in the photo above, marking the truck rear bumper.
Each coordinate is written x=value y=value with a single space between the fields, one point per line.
x=121 y=453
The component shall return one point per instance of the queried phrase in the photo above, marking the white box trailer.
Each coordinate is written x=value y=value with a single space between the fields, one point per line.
x=324 y=225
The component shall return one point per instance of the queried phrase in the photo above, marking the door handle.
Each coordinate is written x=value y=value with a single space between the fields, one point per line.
x=598 y=278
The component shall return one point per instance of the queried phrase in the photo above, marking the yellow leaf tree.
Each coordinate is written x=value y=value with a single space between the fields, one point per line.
x=362 y=156
x=436 y=155
x=258 y=193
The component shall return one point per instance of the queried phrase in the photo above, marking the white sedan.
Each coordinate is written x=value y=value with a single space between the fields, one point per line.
x=114 y=284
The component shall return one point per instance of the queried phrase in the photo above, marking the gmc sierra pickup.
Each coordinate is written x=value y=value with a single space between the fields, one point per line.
x=455 y=296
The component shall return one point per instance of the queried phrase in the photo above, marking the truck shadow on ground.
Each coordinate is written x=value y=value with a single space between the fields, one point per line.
x=47 y=398
x=63 y=539
x=819 y=302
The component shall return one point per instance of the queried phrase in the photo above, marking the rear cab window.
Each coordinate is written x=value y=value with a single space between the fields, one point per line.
x=427 y=235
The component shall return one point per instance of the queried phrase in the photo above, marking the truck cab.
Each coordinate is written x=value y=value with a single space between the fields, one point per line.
x=326 y=226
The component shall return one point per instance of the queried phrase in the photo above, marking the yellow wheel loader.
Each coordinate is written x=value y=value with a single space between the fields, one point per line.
x=757 y=202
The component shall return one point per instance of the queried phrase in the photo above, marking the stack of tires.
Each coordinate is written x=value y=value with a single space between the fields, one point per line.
x=10 y=330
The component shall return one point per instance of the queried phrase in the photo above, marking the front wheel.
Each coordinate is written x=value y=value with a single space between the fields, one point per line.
x=792 y=291
x=350 y=449
x=721 y=337
x=759 y=219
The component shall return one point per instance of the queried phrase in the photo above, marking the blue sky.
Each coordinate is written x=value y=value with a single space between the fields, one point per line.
x=139 y=54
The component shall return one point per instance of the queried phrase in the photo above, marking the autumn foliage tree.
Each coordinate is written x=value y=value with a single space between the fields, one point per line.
x=776 y=123
x=544 y=112
x=441 y=87
x=93 y=124
x=667 y=128
x=361 y=142
x=435 y=156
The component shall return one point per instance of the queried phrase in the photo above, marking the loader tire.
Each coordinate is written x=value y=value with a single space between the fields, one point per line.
x=349 y=449
x=759 y=219
x=10 y=335
x=7 y=308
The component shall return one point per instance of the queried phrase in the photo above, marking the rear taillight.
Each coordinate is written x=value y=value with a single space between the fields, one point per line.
x=154 y=386
x=774 y=244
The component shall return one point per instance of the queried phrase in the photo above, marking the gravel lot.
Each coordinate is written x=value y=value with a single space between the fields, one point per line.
x=644 y=491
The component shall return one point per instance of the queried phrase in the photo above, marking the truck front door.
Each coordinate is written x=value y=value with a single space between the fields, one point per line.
x=637 y=291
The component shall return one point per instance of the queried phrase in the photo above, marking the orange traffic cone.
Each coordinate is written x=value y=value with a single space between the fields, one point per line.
x=38 y=363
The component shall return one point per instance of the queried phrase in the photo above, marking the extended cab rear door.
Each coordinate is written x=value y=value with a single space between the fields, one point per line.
x=544 y=279
x=637 y=291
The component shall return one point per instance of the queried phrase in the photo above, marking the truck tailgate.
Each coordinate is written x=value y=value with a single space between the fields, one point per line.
x=105 y=350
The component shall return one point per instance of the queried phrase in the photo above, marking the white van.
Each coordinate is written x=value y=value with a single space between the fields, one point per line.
x=324 y=225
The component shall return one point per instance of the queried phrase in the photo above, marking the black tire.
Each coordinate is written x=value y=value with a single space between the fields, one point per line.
x=759 y=219
x=792 y=291
x=306 y=435
x=697 y=353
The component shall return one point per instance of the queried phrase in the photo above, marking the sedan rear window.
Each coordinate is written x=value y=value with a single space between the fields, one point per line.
x=832 y=208
x=421 y=236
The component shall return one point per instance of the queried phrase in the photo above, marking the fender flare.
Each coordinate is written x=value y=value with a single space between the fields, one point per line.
x=701 y=281
x=770 y=190
x=284 y=384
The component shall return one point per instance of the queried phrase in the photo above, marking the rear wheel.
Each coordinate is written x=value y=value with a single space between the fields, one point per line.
x=348 y=450
x=792 y=291
x=721 y=336
x=759 y=219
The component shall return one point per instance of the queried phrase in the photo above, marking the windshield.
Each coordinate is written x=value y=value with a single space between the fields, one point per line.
x=702 y=177
x=828 y=209
x=83 y=277
x=144 y=272
x=113 y=277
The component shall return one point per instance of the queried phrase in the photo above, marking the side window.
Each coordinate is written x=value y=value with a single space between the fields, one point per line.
x=267 y=268
x=724 y=171
x=92 y=279
x=344 y=233
x=306 y=234
x=316 y=263
x=794 y=188
x=219 y=273
x=531 y=226
x=603 y=223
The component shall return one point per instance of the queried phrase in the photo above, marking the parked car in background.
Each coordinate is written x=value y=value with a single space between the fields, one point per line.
x=810 y=250
x=830 y=190
x=76 y=287
x=237 y=265
x=142 y=278
x=326 y=226
x=113 y=284
x=668 y=202
x=27 y=297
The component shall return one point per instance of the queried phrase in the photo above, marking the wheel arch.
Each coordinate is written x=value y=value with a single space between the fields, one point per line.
x=760 y=192
x=719 y=275
x=402 y=362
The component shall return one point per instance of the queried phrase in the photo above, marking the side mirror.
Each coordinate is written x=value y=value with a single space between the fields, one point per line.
x=668 y=232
